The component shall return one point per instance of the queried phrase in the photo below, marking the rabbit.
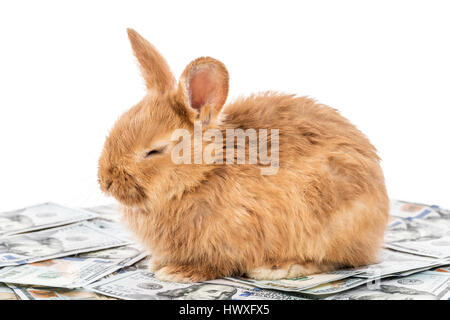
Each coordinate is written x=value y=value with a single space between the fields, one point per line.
x=324 y=209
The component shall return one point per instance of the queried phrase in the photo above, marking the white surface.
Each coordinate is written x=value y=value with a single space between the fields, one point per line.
x=67 y=73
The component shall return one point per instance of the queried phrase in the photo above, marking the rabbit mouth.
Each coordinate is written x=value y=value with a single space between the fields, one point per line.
x=128 y=194
x=124 y=188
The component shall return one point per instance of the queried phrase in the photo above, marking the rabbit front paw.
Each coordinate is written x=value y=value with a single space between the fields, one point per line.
x=183 y=274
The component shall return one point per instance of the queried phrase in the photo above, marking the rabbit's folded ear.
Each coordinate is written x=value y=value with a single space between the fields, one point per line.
x=154 y=68
x=203 y=88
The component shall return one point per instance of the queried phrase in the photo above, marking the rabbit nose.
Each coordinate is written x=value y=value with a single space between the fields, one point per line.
x=108 y=184
x=105 y=184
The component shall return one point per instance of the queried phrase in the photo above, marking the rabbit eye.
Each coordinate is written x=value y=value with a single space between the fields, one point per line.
x=154 y=152
x=151 y=153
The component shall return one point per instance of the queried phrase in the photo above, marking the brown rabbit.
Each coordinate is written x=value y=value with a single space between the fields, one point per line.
x=325 y=208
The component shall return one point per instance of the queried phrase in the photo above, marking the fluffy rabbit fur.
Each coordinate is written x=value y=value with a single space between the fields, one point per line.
x=325 y=208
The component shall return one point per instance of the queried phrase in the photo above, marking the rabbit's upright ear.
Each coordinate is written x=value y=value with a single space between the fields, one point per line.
x=154 y=68
x=203 y=88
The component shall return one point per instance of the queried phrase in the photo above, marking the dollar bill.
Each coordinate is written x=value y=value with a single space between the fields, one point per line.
x=75 y=271
x=41 y=216
x=435 y=216
x=437 y=248
x=443 y=212
x=336 y=286
x=99 y=259
x=41 y=293
x=7 y=293
x=141 y=285
x=446 y=296
x=300 y=283
x=442 y=269
x=402 y=230
x=410 y=210
x=441 y=220
x=115 y=228
x=109 y=212
x=427 y=285
x=137 y=283
x=254 y=293
x=425 y=234
x=392 y=262
x=410 y=272
x=55 y=243
x=347 y=284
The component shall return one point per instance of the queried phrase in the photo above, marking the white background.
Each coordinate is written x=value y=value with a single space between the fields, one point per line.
x=67 y=73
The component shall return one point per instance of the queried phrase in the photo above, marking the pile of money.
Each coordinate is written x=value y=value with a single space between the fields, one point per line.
x=51 y=252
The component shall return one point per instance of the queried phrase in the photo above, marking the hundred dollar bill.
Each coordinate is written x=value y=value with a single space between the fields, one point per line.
x=441 y=220
x=41 y=216
x=40 y=293
x=347 y=284
x=411 y=210
x=75 y=271
x=55 y=243
x=444 y=212
x=339 y=286
x=124 y=256
x=429 y=236
x=442 y=269
x=410 y=272
x=248 y=292
x=336 y=286
x=109 y=212
x=392 y=262
x=401 y=230
x=434 y=215
x=141 y=285
x=427 y=285
x=437 y=248
x=137 y=283
x=7 y=293
x=300 y=283
x=446 y=296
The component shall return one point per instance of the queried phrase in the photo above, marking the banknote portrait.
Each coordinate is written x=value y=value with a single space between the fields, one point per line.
x=149 y=286
x=413 y=230
x=388 y=292
x=30 y=247
x=206 y=291
x=142 y=265
x=442 y=221
x=14 y=221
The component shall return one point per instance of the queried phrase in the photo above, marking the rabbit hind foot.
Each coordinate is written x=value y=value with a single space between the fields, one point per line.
x=288 y=270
